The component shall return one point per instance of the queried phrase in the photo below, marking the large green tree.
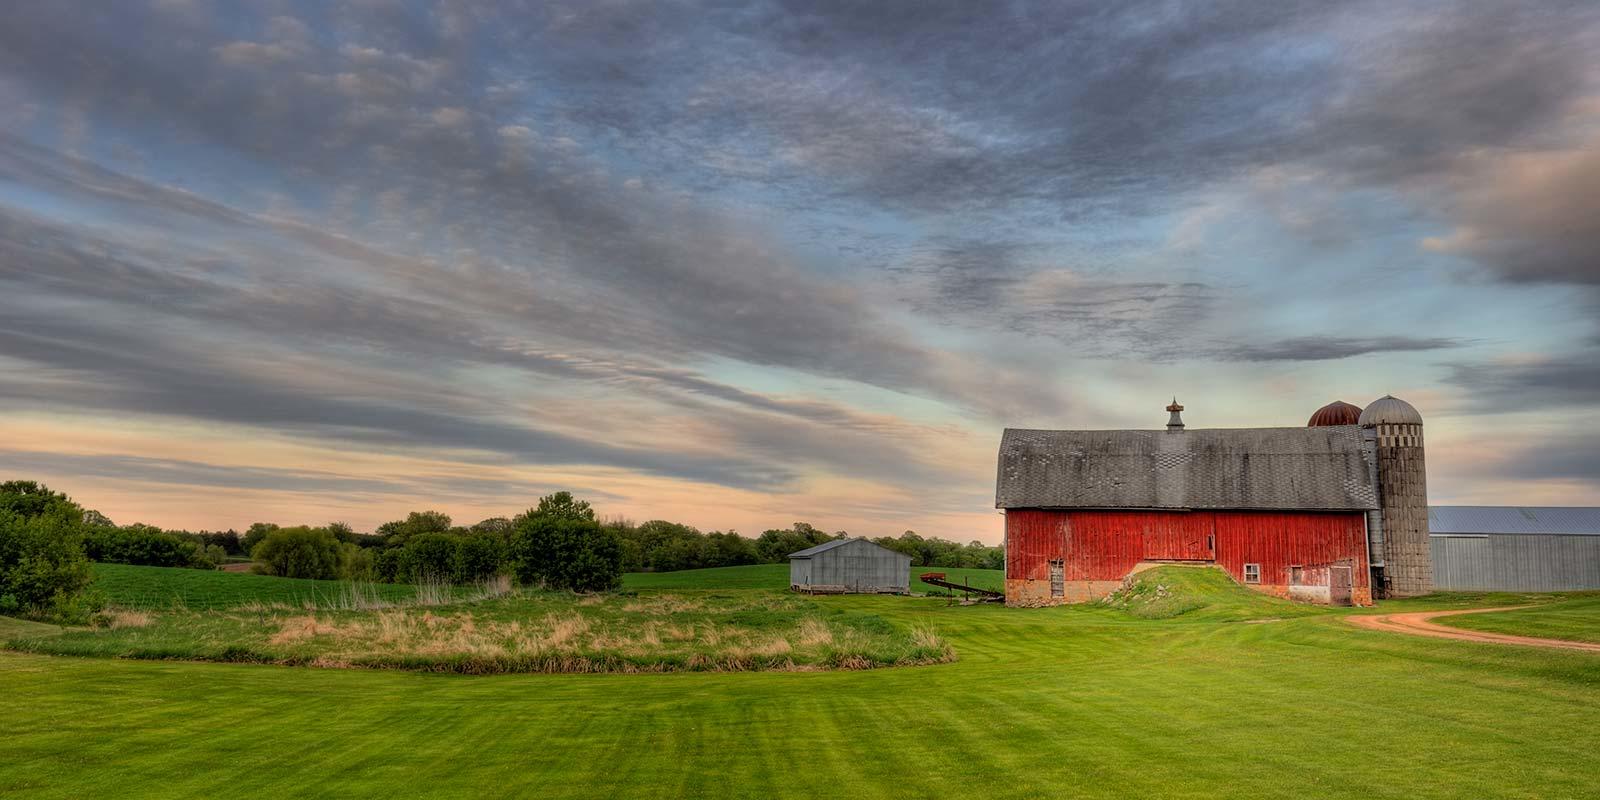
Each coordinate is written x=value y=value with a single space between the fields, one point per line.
x=28 y=499
x=560 y=545
x=774 y=546
x=416 y=523
x=299 y=552
x=42 y=567
x=564 y=506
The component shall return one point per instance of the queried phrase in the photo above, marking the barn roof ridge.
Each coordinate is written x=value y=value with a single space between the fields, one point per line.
x=1163 y=431
x=1289 y=468
x=840 y=542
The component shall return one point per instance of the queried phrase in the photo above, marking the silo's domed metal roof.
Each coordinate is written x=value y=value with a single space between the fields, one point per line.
x=1337 y=412
x=1390 y=410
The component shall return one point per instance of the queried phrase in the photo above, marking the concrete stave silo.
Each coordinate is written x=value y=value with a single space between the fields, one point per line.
x=1396 y=428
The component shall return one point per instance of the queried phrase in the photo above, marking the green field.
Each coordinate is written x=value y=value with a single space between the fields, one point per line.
x=172 y=587
x=1205 y=692
x=776 y=576
x=1574 y=617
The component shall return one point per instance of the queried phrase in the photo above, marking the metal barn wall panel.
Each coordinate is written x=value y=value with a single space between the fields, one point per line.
x=799 y=572
x=1516 y=562
x=856 y=566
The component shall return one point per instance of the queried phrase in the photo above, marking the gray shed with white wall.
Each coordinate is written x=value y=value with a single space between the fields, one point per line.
x=849 y=565
x=1514 y=548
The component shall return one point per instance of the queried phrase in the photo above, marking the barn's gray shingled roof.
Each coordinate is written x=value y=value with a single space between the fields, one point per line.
x=1324 y=468
x=1514 y=519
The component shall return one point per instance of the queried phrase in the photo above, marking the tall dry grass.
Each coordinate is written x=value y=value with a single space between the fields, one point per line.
x=490 y=588
x=119 y=618
x=358 y=597
x=813 y=632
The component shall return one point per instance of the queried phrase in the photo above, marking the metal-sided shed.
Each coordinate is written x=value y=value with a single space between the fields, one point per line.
x=850 y=565
x=1514 y=548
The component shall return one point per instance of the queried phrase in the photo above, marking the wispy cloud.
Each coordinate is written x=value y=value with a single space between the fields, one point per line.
x=779 y=249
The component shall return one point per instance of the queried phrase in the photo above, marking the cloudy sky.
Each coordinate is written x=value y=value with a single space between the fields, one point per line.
x=741 y=266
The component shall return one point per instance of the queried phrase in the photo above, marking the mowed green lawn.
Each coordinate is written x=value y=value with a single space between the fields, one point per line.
x=1574 y=617
x=1235 y=697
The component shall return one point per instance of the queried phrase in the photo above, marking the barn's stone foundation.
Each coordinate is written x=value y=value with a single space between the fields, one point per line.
x=1036 y=594
x=1359 y=595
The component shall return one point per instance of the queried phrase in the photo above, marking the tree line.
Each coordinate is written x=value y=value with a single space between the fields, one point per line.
x=46 y=540
x=661 y=546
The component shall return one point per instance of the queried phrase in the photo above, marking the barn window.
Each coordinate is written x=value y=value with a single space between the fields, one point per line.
x=1297 y=576
x=1252 y=573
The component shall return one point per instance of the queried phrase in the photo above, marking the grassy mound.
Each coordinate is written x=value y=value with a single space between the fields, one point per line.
x=1202 y=594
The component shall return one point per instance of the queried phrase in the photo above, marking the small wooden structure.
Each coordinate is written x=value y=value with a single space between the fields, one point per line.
x=849 y=566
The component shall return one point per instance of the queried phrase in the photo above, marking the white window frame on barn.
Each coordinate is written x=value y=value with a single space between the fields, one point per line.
x=1252 y=573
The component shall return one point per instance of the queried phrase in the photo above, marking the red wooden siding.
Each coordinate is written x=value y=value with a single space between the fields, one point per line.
x=1032 y=539
x=1106 y=545
x=1280 y=540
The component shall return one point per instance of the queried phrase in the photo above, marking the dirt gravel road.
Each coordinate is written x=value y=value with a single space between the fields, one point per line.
x=1419 y=623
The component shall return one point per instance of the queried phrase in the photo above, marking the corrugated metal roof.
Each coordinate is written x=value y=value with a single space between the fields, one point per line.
x=1514 y=519
x=825 y=546
x=829 y=545
x=1322 y=468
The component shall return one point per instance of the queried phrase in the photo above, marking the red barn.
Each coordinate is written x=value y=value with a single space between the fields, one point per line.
x=1282 y=510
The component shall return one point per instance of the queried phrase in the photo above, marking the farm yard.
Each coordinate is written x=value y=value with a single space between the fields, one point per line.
x=1175 y=689
x=492 y=399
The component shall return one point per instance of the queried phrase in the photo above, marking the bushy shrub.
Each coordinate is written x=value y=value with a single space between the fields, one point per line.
x=566 y=552
x=43 y=570
x=228 y=542
x=355 y=562
x=417 y=523
x=210 y=556
x=255 y=534
x=299 y=552
x=427 y=557
x=145 y=545
x=479 y=557
x=386 y=565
